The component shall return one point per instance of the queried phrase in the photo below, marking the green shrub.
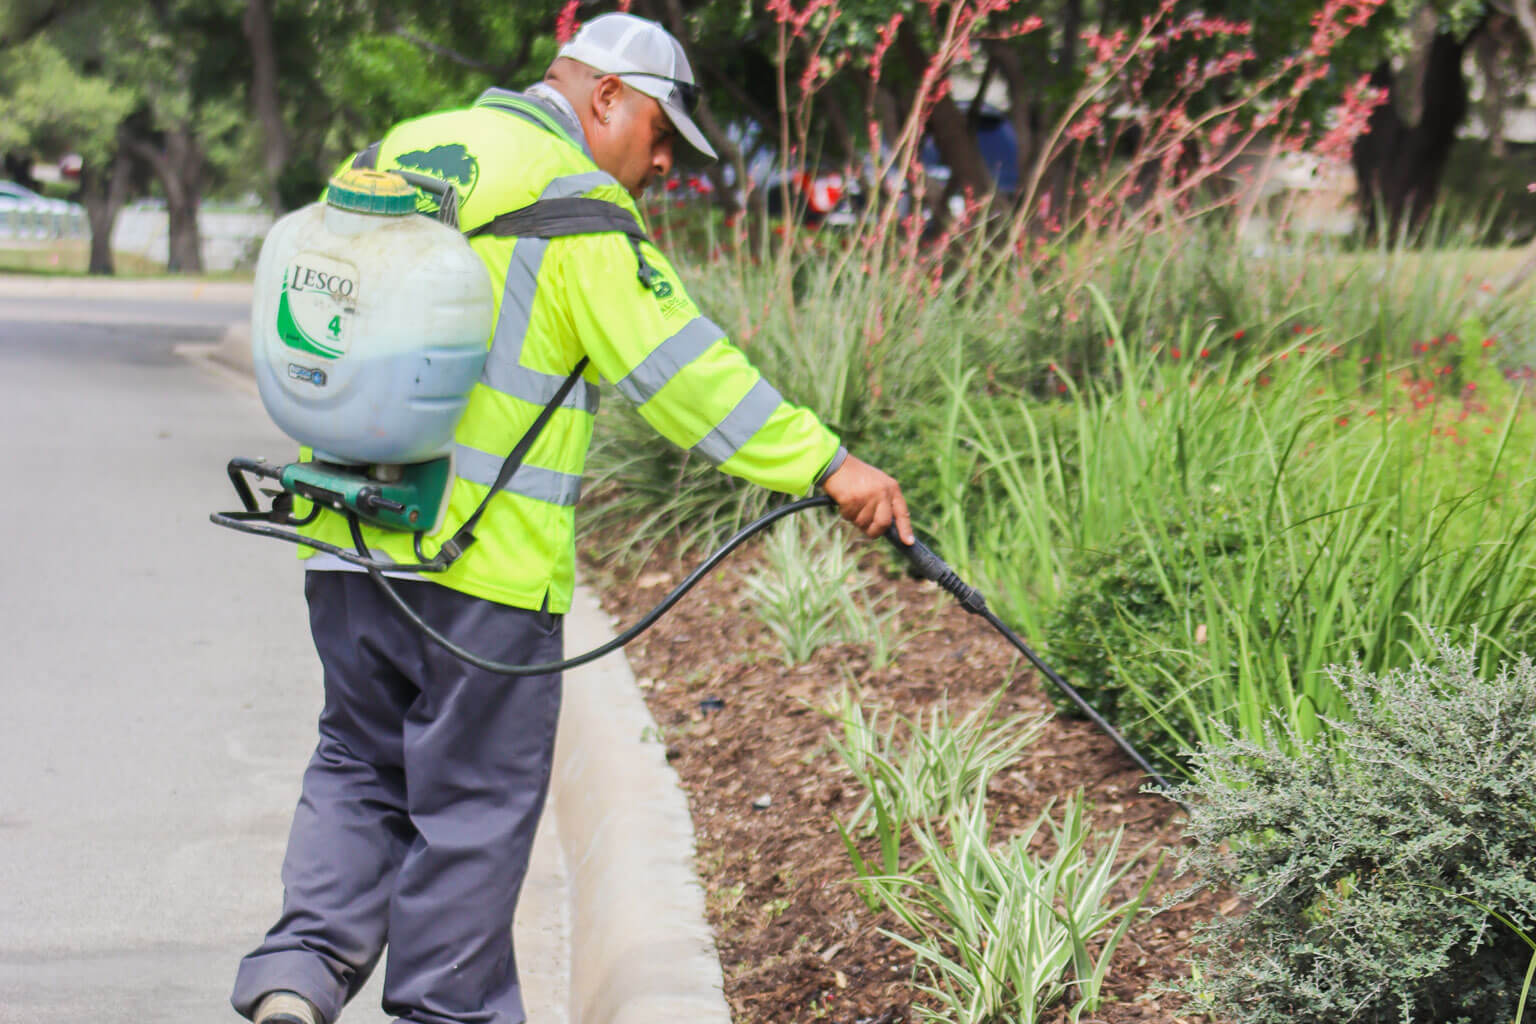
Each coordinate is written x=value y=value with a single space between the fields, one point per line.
x=1368 y=860
x=1129 y=606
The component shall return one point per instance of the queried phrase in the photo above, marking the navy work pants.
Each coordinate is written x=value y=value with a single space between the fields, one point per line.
x=418 y=808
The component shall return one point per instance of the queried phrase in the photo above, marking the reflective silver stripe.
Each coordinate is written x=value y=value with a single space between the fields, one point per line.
x=504 y=371
x=535 y=482
x=741 y=423
x=577 y=184
x=666 y=359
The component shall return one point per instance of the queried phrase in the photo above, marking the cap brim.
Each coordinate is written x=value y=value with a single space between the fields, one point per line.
x=687 y=129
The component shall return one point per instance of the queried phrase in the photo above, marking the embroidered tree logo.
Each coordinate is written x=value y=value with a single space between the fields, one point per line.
x=451 y=163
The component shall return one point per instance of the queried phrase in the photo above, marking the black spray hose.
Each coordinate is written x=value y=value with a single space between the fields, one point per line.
x=931 y=567
x=503 y=669
x=924 y=562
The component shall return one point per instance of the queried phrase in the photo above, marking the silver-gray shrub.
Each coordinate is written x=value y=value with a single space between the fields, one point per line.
x=1364 y=858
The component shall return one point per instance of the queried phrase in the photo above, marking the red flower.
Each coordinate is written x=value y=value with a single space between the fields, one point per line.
x=1175 y=353
x=566 y=24
x=1205 y=353
x=1238 y=335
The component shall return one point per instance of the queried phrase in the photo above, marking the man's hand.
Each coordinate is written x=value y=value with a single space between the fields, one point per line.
x=869 y=499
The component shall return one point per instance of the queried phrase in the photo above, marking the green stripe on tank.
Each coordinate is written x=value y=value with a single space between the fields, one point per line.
x=293 y=335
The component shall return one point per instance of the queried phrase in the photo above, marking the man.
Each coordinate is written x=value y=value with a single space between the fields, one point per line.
x=420 y=803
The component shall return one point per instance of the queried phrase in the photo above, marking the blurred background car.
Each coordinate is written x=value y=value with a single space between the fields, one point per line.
x=824 y=196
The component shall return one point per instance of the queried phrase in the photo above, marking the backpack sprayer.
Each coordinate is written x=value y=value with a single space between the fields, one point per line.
x=368 y=328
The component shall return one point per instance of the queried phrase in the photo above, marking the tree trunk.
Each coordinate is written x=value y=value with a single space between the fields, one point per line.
x=104 y=190
x=186 y=245
x=1021 y=104
x=730 y=153
x=947 y=126
x=1525 y=16
x=178 y=165
x=276 y=144
x=1399 y=164
x=1496 y=58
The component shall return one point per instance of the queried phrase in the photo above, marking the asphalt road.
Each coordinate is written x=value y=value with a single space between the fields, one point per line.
x=159 y=687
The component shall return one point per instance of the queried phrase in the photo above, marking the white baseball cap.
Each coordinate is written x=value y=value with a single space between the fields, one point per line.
x=649 y=59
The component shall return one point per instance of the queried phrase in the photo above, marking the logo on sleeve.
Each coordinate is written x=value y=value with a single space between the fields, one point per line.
x=673 y=303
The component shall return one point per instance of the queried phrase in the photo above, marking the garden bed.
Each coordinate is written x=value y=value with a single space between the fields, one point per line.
x=750 y=743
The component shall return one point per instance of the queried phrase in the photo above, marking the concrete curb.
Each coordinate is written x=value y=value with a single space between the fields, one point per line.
x=145 y=289
x=641 y=950
x=233 y=352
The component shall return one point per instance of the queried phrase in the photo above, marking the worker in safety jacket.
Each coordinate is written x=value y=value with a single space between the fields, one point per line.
x=420 y=803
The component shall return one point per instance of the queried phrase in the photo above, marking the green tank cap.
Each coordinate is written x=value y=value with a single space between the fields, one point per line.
x=364 y=191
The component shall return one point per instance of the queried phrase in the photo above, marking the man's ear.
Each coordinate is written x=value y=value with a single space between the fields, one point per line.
x=606 y=95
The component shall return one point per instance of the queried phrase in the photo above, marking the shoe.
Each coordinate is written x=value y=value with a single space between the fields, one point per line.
x=286 y=1008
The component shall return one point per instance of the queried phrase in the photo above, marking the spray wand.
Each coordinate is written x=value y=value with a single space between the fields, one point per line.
x=931 y=567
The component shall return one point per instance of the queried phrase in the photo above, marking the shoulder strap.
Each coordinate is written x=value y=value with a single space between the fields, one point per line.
x=558 y=218
x=464 y=536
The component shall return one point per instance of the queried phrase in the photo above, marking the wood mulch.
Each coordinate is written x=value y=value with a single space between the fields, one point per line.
x=750 y=745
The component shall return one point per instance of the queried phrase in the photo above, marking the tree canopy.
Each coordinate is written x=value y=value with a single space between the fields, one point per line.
x=193 y=97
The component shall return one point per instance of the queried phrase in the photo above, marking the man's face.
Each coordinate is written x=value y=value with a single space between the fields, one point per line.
x=634 y=144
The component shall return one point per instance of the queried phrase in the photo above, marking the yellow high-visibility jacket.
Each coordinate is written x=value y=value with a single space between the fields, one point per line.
x=558 y=300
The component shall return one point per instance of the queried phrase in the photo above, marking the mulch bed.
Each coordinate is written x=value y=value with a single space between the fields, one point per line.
x=795 y=940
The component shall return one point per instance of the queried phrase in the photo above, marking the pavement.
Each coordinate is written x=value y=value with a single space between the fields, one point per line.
x=161 y=696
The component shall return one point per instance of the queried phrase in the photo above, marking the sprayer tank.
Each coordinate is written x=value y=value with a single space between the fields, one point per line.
x=369 y=324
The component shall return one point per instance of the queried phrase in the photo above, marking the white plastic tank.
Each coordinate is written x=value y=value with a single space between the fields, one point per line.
x=369 y=324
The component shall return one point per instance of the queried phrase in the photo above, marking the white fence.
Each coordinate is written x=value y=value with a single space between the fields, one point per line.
x=40 y=221
x=230 y=238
